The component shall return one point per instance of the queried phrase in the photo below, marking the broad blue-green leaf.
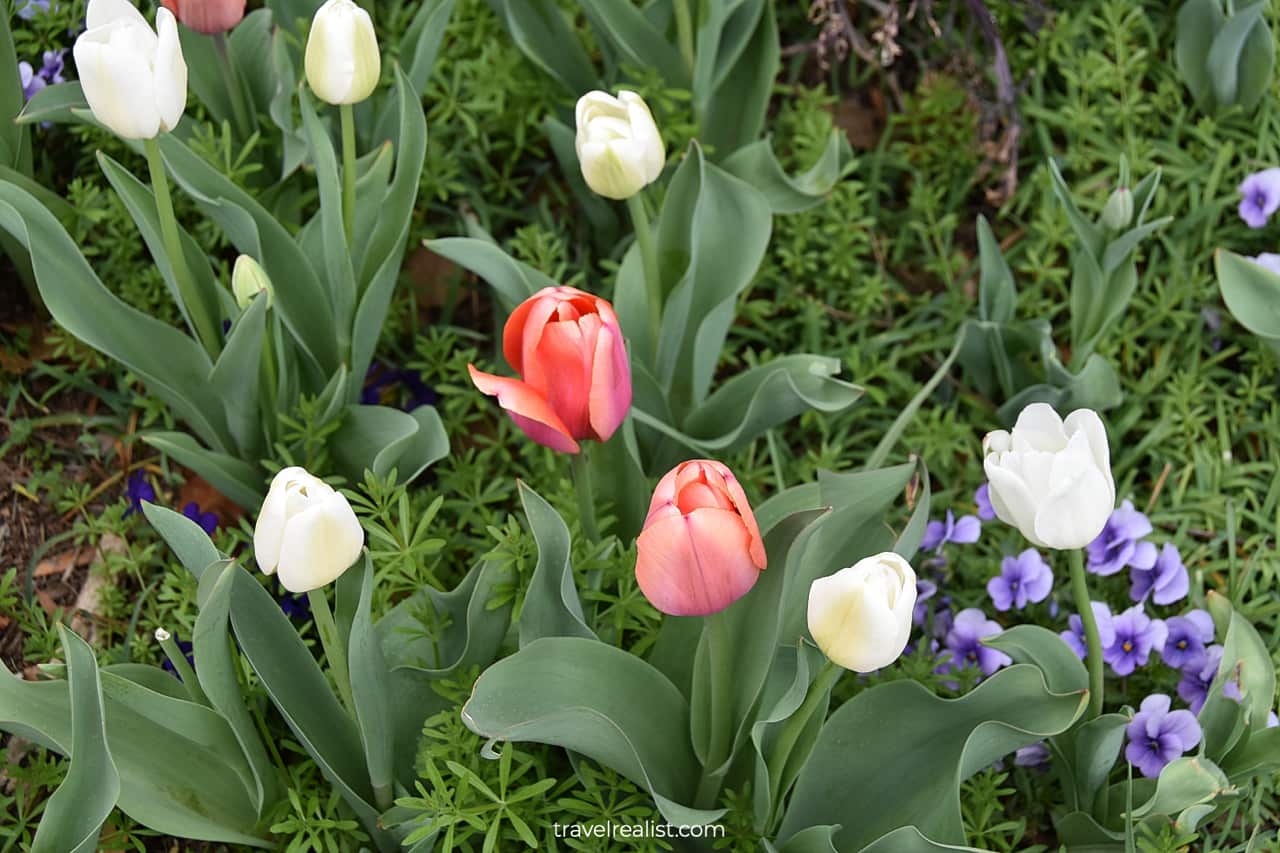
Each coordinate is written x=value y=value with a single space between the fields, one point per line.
x=1252 y=294
x=15 y=140
x=188 y=541
x=883 y=728
x=74 y=815
x=624 y=27
x=918 y=524
x=174 y=367
x=1245 y=653
x=56 y=103
x=814 y=839
x=420 y=43
x=294 y=14
x=1198 y=22
x=1089 y=753
x=1183 y=783
x=371 y=691
x=997 y=293
x=250 y=50
x=539 y=29
x=235 y=376
x=551 y=605
x=599 y=701
x=281 y=109
x=380 y=438
x=734 y=114
x=1226 y=54
x=512 y=281
x=758 y=165
x=1258 y=756
x=240 y=481
x=1063 y=671
x=725 y=29
x=908 y=839
x=204 y=76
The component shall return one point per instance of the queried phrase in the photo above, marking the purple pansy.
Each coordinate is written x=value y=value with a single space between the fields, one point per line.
x=1022 y=579
x=982 y=497
x=54 y=64
x=30 y=80
x=1261 y=197
x=385 y=385
x=208 y=521
x=1034 y=756
x=1137 y=635
x=925 y=590
x=1158 y=735
x=1106 y=630
x=1166 y=581
x=1187 y=638
x=964 y=643
x=1198 y=675
x=1119 y=544
x=293 y=606
x=137 y=490
x=962 y=531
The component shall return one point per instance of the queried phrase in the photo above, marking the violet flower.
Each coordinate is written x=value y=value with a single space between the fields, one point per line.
x=1136 y=636
x=1075 y=636
x=1035 y=756
x=1022 y=579
x=1166 y=581
x=27 y=9
x=384 y=384
x=1197 y=678
x=208 y=521
x=965 y=646
x=1158 y=735
x=961 y=531
x=54 y=64
x=1119 y=544
x=1268 y=261
x=1261 y=197
x=925 y=590
x=30 y=80
x=982 y=497
x=1188 y=636
x=137 y=490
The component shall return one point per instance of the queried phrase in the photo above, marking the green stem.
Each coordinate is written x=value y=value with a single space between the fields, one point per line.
x=239 y=110
x=586 y=502
x=649 y=262
x=348 y=170
x=819 y=692
x=333 y=650
x=684 y=31
x=203 y=325
x=720 y=729
x=181 y=666
x=1080 y=591
x=899 y=424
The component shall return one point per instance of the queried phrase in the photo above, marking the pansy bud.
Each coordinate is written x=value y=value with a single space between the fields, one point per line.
x=575 y=377
x=207 y=16
x=700 y=549
x=861 y=616
x=342 y=60
x=619 y=148
x=248 y=279
x=1119 y=210
x=1051 y=478
x=306 y=532
x=134 y=77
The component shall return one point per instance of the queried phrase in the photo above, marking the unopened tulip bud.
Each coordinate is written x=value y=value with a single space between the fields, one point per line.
x=618 y=144
x=1119 y=210
x=248 y=279
x=1051 y=478
x=133 y=77
x=700 y=549
x=306 y=533
x=207 y=16
x=861 y=616
x=575 y=377
x=342 y=59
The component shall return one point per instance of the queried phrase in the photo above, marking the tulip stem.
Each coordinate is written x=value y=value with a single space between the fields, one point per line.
x=586 y=501
x=328 y=631
x=182 y=667
x=684 y=31
x=235 y=91
x=348 y=170
x=819 y=692
x=649 y=262
x=720 y=727
x=202 y=324
x=1093 y=641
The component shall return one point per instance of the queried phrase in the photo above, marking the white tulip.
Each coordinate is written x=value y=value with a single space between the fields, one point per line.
x=306 y=531
x=134 y=77
x=342 y=60
x=861 y=616
x=248 y=279
x=1051 y=478
x=619 y=147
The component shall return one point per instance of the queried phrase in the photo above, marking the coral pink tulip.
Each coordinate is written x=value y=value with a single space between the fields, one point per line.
x=207 y=16
x=575 y=378
x=700 y=550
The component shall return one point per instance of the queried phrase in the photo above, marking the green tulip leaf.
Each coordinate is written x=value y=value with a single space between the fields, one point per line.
x=1225 y=56
x=1063 y=671
x=540 y=30
x=733 y=115
x=238 y=480
x=334 y=251
x=909 y=839
x=380 y=438
x=512 y=281
x=1183 y=783
x=371 y=690
x=57 y=103
x=997 y=293
x=188 y=541
x=1259 y=756
x=1198 y=22
x=1246 y=656
x=551 y=605
x=757 y=164
x=1252 y=294
x=884 y=727
x=623 y=26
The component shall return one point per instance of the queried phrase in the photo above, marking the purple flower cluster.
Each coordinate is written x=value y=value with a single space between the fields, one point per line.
x=50 y=72
x=1260 y=197
x=1198 y=675
x=138 y=489
x=1074 y=637
x=1187 y=638
x=1158 y=735
x=1137 y=635
x=964 y=644
x=961 y=531
x=1158 y=574
x=1023 y=579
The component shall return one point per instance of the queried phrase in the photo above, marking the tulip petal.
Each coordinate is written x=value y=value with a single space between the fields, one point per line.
x=1087 y=422
x=610 y=383
x=523 y=330
x=694 y=565
x=1040 y=426
x=117 y=83
x=103 y=12
x=320 y=543
x=565 y=364
x=1010 y=498
x=1074 y=515
x=530 y=410
x=739 y=498
x=170 y=71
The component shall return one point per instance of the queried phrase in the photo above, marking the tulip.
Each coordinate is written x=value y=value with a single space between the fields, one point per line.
x=134 y=78
x=306 y=531
x=207 y=16
x=1051 y=478
x=618 y=144
x=342 y=60
x=575 y=378
x=248 y=279
x=700 y=549
x=861 y=616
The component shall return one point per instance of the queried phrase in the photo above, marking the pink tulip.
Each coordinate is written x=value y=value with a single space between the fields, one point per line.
x=575 y=378
x=700 y=550
x=207 y=16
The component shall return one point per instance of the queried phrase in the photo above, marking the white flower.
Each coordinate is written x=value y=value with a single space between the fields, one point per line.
x=306 y=531
x=134 y=78
x=1051 y=478
x=619 y=147
x=343 y=63
x=861 y=616
x=248 y=279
